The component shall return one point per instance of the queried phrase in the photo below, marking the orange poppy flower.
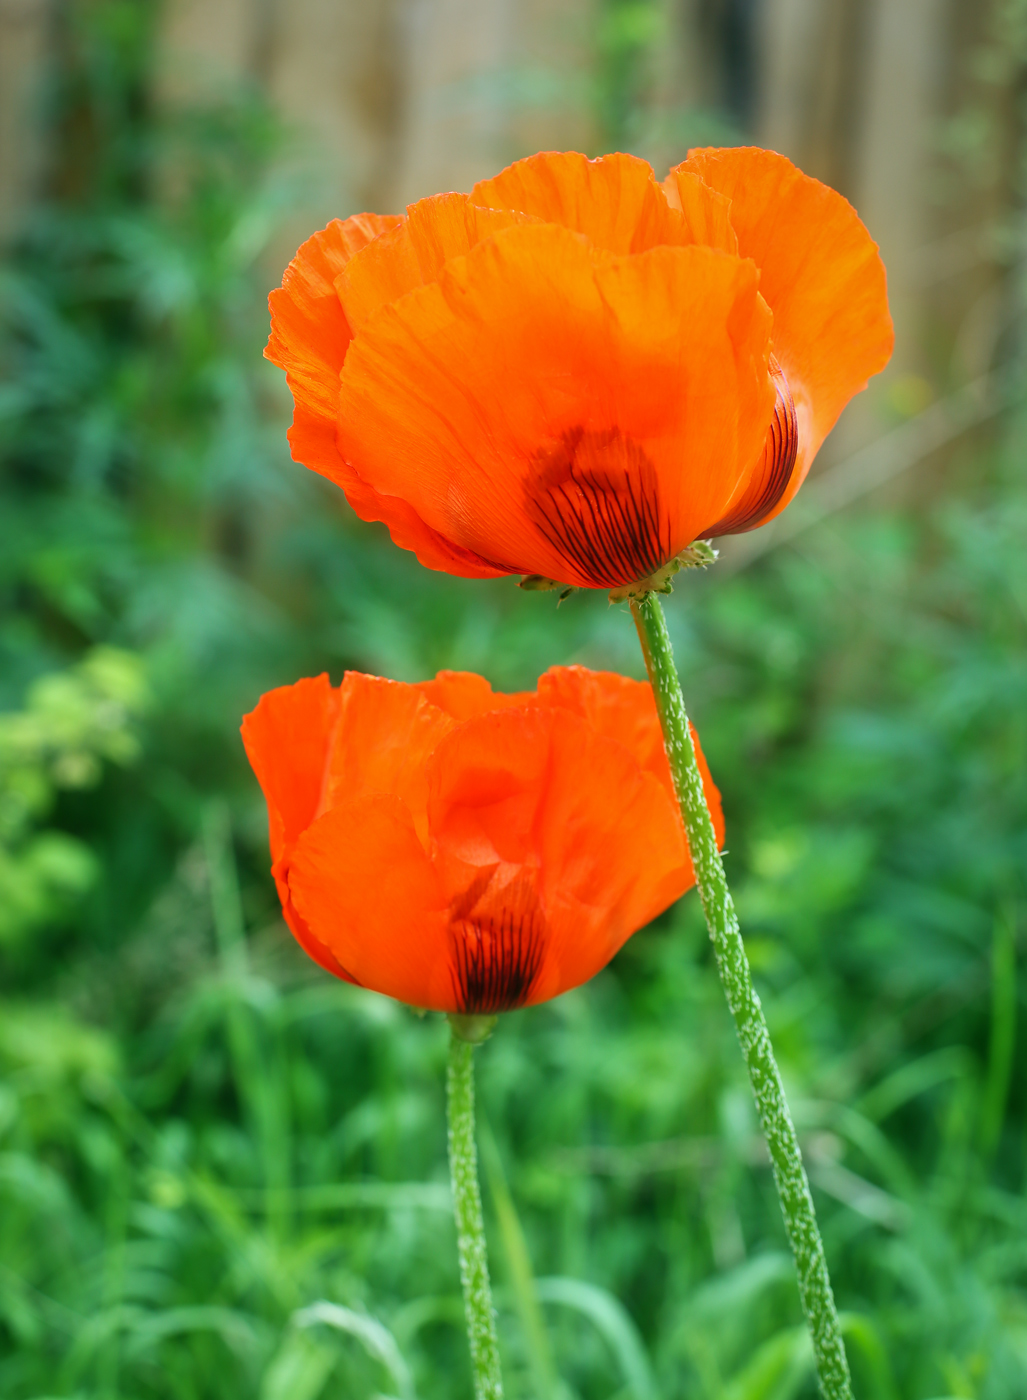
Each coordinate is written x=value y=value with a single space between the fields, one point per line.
x=463 y=850
x=574 y=371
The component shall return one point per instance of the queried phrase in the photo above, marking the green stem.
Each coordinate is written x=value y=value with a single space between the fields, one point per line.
x=470 y=1227
x=750 y=1023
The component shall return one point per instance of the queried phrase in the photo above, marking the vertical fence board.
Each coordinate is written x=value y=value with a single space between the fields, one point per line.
x=897 y=150
x=204 y=45
x=456 y=52
x=24 y=36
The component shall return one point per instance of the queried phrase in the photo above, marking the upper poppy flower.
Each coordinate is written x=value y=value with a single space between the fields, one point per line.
x=575 y=371
x=464 y=850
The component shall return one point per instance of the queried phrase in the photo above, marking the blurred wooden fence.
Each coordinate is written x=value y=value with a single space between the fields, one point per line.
x=393 y=99
x=24 y=33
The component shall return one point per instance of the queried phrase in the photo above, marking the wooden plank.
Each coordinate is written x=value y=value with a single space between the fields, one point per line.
x=204 y=45
x=897 y=154
x=336 y=80
x=455 y=55
x=24 y=36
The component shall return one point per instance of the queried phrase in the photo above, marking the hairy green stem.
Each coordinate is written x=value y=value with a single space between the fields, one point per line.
x=750 y=1023
x=470 y=1227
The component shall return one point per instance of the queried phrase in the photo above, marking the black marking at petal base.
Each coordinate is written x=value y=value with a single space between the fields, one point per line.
x=779 y=454
x=595 y=499
x=497 y=955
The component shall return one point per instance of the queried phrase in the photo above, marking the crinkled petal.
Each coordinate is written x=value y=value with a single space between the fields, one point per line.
x=310 y=338
x=286 y=739
x=560 y=411
x=706 y=212
x=624 y=710
x=309 y=331
x=771 y=480
x=614 y=201
x=362 y=882
x=822 y=275
x=435 y=230
x=463 y=694
x=380 y=745
x=535 y=801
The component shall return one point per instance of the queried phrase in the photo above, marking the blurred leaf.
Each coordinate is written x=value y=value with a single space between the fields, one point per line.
x=377 y=1340
x=612 y=1323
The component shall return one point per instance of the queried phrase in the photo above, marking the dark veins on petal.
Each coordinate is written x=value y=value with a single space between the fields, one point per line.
x=498 y=939
x=770 y=481
x=595 y=499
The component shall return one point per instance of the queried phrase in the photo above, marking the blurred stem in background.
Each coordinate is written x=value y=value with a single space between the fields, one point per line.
x=465 y=1033
x=750 y=1022
x=627 y=32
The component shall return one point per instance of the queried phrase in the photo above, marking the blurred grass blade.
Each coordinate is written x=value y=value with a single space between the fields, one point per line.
x=518 y=1262
x=913 y=1079
x=778 y=1371
x=93 y=1335
x=739 y=1290
x=226 y=904
x=375 y=1338
x=300 y=1368
x=1003 y=1030
x=868 y=1138
x=257 y=1075
x=365 y=1195
x=611 y=1321
x=860 y=1195
x=428 y=1311
x=712 y=1326
x=863 y=1339
x=236 y=1329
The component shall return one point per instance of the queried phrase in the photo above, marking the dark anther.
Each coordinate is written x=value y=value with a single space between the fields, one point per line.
x=775 y=469
x=498 y=941
x=595 y=499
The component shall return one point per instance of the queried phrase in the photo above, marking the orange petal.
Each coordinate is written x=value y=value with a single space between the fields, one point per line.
x=286 y=739
x=706 y=213
x=822 y=276
x=614 y=706
x=380 y=744
x=771 y=481
x=637 y=862
x=310 y=337
x=414 y=252
x=486 y=784
x=644 y=374
x=365 y=887
x=385 y=270
x=615 y=200
x=464 y=694
x=624 y=710
x=309 y=332
x=311 y=945
x=523 y=797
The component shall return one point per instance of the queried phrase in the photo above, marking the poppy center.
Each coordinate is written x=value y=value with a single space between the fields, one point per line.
x=497 y=939
x=595 y=498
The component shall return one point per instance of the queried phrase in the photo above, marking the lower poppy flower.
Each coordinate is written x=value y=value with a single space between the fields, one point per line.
x=463 y=850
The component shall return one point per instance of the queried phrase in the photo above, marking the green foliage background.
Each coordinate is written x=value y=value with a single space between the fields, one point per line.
x=223 y=1174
